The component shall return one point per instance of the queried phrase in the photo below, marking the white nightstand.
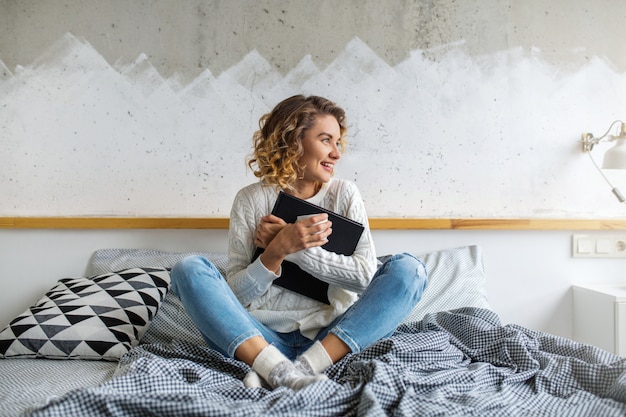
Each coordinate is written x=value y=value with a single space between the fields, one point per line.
x=600 y=316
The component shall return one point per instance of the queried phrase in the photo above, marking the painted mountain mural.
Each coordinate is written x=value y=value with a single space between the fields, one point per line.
x=442 y=134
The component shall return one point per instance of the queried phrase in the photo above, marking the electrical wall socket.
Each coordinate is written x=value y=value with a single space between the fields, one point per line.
x=599 y=246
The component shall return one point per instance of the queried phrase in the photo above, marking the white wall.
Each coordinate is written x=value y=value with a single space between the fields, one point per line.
x=529 y=273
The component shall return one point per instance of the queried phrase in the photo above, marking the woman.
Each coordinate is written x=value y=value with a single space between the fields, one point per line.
x=287 y=338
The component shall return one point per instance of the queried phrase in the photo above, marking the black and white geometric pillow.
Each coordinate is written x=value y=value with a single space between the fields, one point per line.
x=98 y=318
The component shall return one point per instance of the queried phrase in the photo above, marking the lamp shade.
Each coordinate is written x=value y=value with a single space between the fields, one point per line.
x=615 y=158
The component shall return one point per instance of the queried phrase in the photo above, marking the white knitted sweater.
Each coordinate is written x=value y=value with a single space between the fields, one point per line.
x=281 y=309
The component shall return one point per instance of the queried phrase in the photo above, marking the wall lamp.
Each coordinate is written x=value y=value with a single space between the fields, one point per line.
x=614 y=158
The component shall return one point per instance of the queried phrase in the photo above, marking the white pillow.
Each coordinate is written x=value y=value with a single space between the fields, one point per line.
x=456 y=278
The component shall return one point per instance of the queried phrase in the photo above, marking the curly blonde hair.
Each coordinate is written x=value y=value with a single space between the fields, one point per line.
x=278 y=142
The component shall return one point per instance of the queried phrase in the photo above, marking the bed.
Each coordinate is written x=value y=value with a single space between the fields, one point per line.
x=118 y=342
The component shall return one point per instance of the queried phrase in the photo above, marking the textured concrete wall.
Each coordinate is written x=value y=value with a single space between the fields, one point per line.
x=189 y=35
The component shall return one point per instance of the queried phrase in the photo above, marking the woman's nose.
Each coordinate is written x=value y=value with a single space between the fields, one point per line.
x=335 y=153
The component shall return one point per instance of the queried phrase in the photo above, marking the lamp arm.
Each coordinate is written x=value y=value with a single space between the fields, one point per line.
x=589 y=141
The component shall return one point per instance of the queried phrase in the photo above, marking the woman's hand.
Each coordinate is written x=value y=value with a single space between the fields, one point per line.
x=267 y=229
x=290 y=238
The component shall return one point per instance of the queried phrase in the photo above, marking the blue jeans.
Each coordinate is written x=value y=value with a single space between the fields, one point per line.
x=224 y=323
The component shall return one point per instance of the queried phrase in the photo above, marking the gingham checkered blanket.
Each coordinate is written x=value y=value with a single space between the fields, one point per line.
x=461 y=363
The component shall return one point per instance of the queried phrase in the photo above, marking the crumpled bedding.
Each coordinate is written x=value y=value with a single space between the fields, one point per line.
x=462 y=362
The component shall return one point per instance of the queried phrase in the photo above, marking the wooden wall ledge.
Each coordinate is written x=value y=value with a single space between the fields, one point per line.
x=375 y=223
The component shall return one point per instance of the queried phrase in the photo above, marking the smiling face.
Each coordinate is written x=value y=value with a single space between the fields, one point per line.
x=298 y=144
x=321 y=150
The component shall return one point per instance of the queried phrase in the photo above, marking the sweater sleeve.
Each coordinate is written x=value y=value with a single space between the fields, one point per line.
x=353 y=272
x=248 y=281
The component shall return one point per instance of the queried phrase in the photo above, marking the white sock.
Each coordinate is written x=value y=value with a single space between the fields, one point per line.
x=316 y=359
x=277 y=370
x=267 y=360
x=252 y=380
